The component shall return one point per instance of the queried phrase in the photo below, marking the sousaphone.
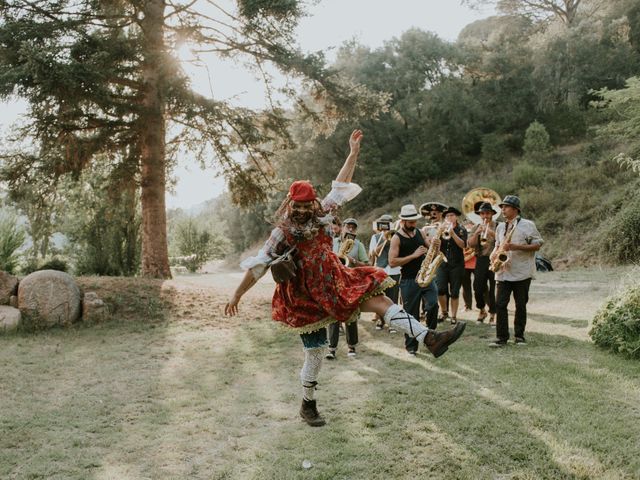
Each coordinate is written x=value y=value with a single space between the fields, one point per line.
x=476 y=195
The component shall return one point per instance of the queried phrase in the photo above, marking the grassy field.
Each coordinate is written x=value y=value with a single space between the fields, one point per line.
x=170 y=389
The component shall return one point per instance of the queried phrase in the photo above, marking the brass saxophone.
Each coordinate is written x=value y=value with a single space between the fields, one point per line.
x=432 y=259
x=345 y=248
x=501 y=257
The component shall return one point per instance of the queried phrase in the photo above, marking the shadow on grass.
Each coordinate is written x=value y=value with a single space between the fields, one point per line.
x=554 y=319
x=194 y=400
x=558 y=408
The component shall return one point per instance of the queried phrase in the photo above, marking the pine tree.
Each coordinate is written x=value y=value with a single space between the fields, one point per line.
x=101 y=82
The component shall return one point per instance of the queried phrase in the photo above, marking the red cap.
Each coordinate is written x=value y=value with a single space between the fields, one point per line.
x=302 y=191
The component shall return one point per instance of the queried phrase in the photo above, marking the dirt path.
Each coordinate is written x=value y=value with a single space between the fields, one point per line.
x=561 y=303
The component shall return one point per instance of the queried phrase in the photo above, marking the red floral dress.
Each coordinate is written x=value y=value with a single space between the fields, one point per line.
x=324 y=290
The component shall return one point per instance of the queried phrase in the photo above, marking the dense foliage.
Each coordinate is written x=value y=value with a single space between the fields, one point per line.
x=616 y=326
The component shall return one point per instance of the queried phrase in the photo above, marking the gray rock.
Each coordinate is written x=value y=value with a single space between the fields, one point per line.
x=8 y=287
x=13 y=301
x=10 y=318
x=93 y=309
x=48 y=298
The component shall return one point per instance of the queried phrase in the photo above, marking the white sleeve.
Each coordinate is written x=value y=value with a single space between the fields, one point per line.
x=341 y=193
x=259 y=264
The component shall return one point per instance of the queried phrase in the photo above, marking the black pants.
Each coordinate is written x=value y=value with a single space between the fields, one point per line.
x=351 y=333
x=466 y=288
x=520 y=292
x=485 y=294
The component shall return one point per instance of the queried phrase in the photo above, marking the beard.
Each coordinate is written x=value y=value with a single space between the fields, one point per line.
x=409 y=229
x=301 y=218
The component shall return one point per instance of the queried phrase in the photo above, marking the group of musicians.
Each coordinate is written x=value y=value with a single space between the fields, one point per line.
x=501 y=256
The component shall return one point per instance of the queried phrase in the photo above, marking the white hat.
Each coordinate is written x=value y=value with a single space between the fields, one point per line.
x=409 y=212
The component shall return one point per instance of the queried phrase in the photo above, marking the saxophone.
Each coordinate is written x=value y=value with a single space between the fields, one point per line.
x=501 y=257
x=432 y=259
x=345 y=247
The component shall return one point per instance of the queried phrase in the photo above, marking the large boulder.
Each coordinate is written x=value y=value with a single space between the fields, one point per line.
x=8 y=287
x=9 y=318
x=48 y=298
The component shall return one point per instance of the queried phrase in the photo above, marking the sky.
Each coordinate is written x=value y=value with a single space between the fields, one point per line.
x=328 y=25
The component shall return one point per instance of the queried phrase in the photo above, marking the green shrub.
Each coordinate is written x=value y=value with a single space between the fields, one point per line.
x=616 y=326
x=34 y=264
x=620 y=237
x=11 y=239
x=55 y=264
x=537 y=143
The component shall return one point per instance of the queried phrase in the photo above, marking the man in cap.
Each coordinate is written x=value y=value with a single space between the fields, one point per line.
x=483 y=239
x=519 y=239
x=450 y=273
x=408 y=249
x=379 y=253
x=357 y=257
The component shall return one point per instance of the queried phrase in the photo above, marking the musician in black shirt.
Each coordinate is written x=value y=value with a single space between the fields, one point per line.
x=451 y=272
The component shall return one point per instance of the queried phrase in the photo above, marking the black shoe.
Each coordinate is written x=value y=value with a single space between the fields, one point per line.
x=309 y=413
x=438 y=342
x=520 y=341
x=497 y=343
x=331 y=355
x=351 y=352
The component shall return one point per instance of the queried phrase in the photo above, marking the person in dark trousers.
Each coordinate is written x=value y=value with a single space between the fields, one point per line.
x=450 y=273
x=408 y=249
x=483 y=239
x=519 y=240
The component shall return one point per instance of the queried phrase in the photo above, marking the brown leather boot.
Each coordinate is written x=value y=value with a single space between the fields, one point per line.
x=309 y=413
x=438 y=342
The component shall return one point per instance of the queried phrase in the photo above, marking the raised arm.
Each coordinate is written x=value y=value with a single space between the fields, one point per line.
x=346 y=172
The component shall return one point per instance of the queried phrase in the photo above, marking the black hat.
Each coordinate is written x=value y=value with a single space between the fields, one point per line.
x=452 y=210
x=425 y=208
x=483 y=207
x=511 y=201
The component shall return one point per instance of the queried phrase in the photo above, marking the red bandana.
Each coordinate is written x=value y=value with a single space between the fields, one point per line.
x=302 y=191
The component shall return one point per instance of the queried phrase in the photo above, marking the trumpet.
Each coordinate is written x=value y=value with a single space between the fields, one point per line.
x=483 y=236
x=446 y=234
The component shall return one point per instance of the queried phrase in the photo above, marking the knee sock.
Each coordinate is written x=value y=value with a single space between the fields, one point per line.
x=310 y=371
x=396 y=317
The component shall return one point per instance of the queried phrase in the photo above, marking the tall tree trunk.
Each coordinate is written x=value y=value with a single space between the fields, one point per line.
x=155 y=255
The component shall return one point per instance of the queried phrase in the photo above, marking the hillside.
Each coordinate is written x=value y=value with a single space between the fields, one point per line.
x=581 y=200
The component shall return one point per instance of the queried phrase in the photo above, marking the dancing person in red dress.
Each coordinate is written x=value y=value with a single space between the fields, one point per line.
x=324 y=290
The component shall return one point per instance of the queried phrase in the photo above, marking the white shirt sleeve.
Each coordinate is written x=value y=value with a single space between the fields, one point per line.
x=341 y=193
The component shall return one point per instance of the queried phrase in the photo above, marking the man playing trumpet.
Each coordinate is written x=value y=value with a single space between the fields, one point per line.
x=483 y=240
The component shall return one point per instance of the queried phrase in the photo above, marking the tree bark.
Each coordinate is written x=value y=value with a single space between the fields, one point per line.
x=155 y=255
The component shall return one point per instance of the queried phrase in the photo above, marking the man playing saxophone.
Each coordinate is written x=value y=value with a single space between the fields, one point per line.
x=408 y=249
x=519 y=239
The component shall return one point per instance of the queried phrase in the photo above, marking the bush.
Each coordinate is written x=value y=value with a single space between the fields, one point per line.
x=11 y=239
x=33 y=265
x=537 y=143
x=616 y=326
x=620 y=238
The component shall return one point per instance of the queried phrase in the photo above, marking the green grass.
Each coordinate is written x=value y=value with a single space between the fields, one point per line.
x=207 y=399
